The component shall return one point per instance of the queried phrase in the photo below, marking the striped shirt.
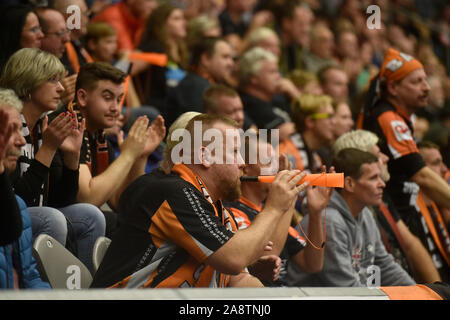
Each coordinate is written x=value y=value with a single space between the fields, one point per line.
x=169 y=226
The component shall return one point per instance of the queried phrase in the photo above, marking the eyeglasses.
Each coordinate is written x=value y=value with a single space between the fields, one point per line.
x=322 y=115
x=35 y=30
x=59 y=34
x=54 y=80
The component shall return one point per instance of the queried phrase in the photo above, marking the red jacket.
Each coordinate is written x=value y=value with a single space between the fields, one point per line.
x=128 y=27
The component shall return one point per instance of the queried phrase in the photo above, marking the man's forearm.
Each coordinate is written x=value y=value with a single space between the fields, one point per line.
x=71 y=160
x=249 y=243
x=104 y=187
x=280 y=233
x=433 y=186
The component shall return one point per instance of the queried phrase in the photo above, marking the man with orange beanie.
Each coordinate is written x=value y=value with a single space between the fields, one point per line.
x=403 y=89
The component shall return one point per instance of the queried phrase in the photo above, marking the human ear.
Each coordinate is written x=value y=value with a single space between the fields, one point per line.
x=309 y=122
x=81 y=96
x=205 y=157
x=349 y=184
x=91 y=44
x=391 y=87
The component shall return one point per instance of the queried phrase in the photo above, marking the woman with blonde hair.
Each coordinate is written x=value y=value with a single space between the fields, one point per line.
x=46 y=176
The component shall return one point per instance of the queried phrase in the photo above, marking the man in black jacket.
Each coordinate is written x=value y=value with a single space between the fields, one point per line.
x=212 y=62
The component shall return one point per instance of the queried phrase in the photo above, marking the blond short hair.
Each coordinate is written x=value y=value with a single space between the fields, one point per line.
x=251 y=63
x=358 y=139
x=180 y=123
x=28 y=68
x=258 y=35
x=8 y=98
x=306 y=105
x=196 y=27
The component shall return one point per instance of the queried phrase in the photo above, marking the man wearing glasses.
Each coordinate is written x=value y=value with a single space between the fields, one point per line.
x=56 y=37
x=313 y=116
x=55 y=31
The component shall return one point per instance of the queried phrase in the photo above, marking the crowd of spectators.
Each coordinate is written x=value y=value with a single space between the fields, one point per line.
x=89 y=115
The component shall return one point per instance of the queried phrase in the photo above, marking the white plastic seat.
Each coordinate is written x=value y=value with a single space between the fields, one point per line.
x=100 y=247
x=63 y=269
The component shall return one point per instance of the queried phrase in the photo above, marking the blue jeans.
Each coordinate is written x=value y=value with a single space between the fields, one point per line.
x=47 y=220
x=87 y=220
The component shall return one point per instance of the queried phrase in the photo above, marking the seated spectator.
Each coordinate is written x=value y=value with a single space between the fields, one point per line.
x=435 y=228
x=334 y=82
x=343 y=122
x=56 y=37
x=225 y=101
x=128 y=17
x=258 y=81
x=350 y=57
x=354 y=253
x=181 y=122
x=343 y=119
x=19 y=28
x=288 y=244
x=306 y=82
x=236 y=17
x=203 y=26
x=101 y=42
x=239 y=18
x=321 y=51
x=117 y=133
x=56 y=34
x=294 y=22
x=403 y=91
x=99 y=91
x=433 y=109
x=47 y=174
x=406 y=248
x=211 y=62
x=18 y=268
x=313 y=116
x=75 y=54
x=10 y=219
x=189 y=230
x=265 y=38
x=17 y=265
x=165 y=32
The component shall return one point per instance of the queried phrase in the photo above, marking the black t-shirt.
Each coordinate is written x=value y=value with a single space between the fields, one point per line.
x=228 y=26
x=89 y=154
x=264 y=114
x=151 y=83
x=395 y=131
x=168 y=227
x=186 y=96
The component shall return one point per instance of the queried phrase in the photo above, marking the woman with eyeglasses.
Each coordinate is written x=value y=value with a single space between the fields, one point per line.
x=46 y=176
x=19 y=28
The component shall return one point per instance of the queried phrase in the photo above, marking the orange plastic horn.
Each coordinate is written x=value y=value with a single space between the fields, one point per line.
x=159 y=59
x=332 y=180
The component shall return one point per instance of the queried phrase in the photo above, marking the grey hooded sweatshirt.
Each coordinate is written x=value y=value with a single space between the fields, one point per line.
x=354 y=253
